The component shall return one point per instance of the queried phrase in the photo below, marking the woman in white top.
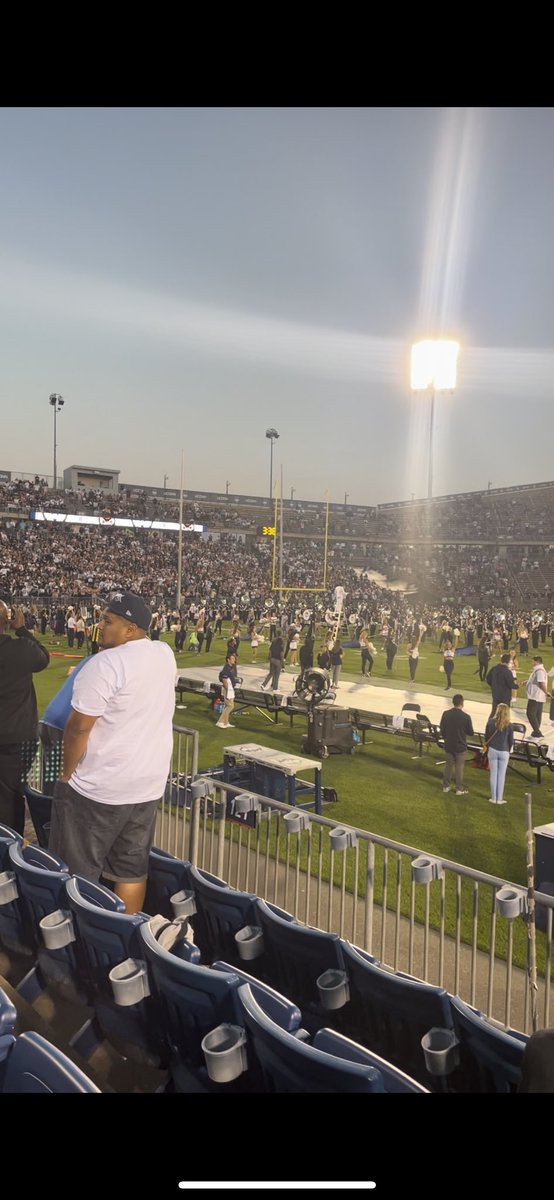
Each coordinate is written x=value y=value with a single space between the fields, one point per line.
x=368 y=651
x=293 y=647
x=254 y=643
x=80 y=631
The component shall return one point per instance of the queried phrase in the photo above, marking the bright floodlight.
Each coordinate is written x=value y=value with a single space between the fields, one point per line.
x=434 y=366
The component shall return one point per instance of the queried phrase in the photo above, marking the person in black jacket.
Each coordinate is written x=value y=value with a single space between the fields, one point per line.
x=276 y=663
x=502 y=683
x=390 y=651
x=455 y=727
x=20 y=658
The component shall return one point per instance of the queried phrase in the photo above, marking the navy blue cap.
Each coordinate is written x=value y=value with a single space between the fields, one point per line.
x=130 y=606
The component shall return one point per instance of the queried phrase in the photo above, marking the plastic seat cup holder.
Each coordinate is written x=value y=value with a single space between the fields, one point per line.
x=440 y=1050
x=183 y=904
x=333 y=989
x=296 y=822
x=8 y=887
x=57 y=929
x=342 y=839
x=250 y=942
x=245 y=803
x=129 y=981
x=425 y=869
x=510 y=902
x=224 y=1050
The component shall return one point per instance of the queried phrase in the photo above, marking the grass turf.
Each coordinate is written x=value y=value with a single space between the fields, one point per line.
x=381 y=788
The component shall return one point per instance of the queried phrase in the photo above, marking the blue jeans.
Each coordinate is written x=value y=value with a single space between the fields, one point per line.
x=498 y=760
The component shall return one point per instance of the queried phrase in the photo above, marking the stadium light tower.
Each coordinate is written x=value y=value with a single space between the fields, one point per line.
x=433 y=370
x=272 y=435
x=57 y=402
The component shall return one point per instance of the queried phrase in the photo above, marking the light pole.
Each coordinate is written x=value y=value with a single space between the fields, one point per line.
x=433 y=370
x=166 y=477
x=57 y=402
x=346 y=498
x=292 y=491
x=227 y=486
x=272 y=435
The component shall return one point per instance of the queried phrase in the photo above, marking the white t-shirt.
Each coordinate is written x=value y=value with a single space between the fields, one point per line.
x=131 y=690
x=534 y=692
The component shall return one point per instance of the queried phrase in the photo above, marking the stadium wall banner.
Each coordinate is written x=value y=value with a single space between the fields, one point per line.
x=5 y=476
x=117 y=522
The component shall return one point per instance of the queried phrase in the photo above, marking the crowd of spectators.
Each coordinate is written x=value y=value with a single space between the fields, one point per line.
x=232 y=558
x=526 y=515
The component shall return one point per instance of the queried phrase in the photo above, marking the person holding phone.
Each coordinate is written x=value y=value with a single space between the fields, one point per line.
x=21 y=657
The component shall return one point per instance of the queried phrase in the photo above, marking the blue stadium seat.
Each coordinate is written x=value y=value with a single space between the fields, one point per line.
x=110 y=937
x=15 y=926
x=29 y=1063
x=166 y=876
x=390 y=1013
x=220 y=912
x=282 y=1011
x=40 y=809
x=295 y=956
x=194 y=1000
x=490 y=1058
x=8 y=1014
x=290 y=1064
x=394 y=1080
x=41 y=879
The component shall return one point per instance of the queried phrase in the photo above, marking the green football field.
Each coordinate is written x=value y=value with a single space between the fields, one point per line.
x=382 y=788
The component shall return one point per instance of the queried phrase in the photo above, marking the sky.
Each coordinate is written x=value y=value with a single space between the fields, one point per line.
x=188 y=277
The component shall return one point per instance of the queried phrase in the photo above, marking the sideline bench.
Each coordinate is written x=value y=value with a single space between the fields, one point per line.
x=268 y=704
x=198 y=687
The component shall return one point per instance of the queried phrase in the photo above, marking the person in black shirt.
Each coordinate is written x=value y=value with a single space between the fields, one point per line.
x=336 y=662
x=455 y=728
x=390 y=651
x=502 y=683
x=483 y=655
x=20 y=658
x=276 y=663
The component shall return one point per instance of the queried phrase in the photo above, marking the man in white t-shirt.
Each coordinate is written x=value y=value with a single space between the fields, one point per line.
x=536 y=693
x=118 y=744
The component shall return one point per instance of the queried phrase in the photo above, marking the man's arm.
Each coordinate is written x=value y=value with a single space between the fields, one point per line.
x=35 y=656
x=75 y=739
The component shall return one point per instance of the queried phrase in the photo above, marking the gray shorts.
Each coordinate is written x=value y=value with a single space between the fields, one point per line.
x=113 y=840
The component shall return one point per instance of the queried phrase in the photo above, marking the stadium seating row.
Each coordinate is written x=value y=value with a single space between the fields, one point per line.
x=156 y=1003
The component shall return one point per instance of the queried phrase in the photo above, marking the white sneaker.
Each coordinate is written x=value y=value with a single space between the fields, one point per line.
x=491 y=801
x=219 y=725
x=501 y=802
x=229 y=726
x=461 y=792
x=446 y=789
